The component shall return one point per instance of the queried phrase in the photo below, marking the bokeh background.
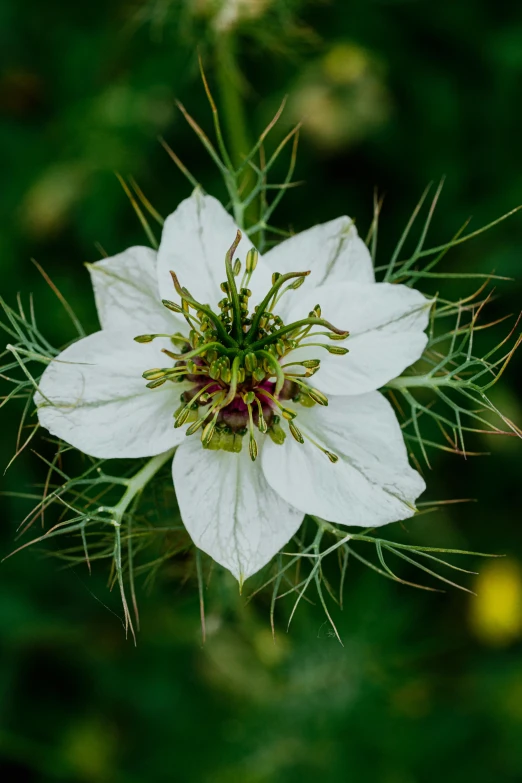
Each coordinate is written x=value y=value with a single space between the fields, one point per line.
x=394 y=93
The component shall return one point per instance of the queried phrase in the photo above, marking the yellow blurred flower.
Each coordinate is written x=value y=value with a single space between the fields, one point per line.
x=342 y=97
x=496 y=612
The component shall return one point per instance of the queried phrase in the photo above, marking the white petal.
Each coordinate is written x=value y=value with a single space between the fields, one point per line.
x=333 y=252
x=370 y=485
x=228 y=508
x=194 y=243
x=386 y=324
x=93 y=397
x=127 y=296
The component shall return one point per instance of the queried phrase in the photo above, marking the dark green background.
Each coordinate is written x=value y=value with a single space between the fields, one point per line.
x=415 y=696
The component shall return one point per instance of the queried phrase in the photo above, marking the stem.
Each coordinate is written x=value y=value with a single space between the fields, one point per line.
x=228 y=76
x=138 y=482
x=415 y=381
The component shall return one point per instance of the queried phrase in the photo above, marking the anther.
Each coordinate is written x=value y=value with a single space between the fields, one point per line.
x=296 y=432
x=251 y=260
x=175 y=308
x=252 y=448
x=336 y=349
x=317 y=396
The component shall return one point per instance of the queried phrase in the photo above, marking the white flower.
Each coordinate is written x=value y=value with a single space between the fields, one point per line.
x=244 y=486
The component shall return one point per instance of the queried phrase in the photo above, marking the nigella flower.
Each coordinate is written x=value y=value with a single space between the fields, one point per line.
x=266 y=382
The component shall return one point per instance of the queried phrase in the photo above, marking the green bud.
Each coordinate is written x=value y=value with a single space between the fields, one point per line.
x=277 y=433
x=249 y=397
x=275 y=277
x=298 y=283
x=155 y=384
x=334 y=336
x=332 y=457
x=237 y=267
x=306 y=401
x=259 y=374
x=288 y=414
x=262 y=425
x=311 y=363
x=144 y=338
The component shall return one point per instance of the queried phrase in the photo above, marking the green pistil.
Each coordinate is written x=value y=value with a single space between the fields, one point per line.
x=271 y=338
x=237 y=328
x=260 y=311
x=186 y=297
x=231 y=356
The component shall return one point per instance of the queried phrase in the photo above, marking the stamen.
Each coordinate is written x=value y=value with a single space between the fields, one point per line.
x=315 y=394
x=295 y=432
x=335 y=349
x=252 y=443
x=261 y=421
x=287 y=413
x=182 y=416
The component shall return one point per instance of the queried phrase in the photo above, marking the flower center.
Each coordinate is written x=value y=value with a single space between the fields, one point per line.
x=236 y=365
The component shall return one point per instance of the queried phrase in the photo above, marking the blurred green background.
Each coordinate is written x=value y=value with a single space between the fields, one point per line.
x=393 y=94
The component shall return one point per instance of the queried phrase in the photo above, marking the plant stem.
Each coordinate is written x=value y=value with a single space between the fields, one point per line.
x=228 y=76
x=138 y=482
x=416 y=381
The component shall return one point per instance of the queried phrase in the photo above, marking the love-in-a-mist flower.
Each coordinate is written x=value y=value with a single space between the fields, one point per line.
x=261 y=371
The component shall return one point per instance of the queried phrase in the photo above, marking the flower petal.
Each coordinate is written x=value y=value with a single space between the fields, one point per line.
x=333 y=252
x=127 y=296
x=386 y=324
x=93 y=397
x=370 y=485
x=228 y=508
x=194 y=243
